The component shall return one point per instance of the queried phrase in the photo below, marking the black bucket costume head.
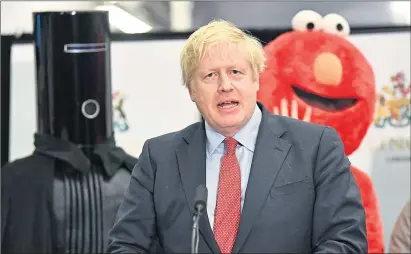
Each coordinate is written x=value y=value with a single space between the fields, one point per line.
x=73 y=76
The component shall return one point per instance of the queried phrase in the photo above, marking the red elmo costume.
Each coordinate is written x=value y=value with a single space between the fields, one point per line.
x=315 y=71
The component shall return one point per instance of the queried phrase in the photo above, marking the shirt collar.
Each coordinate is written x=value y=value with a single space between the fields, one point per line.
x=247 y=136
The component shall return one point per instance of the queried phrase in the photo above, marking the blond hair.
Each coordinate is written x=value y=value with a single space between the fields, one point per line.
x=214 y=32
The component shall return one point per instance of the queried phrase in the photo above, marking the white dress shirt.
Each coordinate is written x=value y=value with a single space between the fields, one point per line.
x=215 y=148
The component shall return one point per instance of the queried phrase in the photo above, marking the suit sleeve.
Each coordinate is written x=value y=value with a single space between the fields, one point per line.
x=134 y=227
x=339 y=216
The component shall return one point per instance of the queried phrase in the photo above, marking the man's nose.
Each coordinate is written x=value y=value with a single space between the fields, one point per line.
x=328 y=69
x=225 y=84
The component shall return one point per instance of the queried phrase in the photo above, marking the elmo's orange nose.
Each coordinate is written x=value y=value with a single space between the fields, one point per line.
x=328 y=69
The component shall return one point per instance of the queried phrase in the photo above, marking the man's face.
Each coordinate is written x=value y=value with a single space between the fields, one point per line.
x=224 y=88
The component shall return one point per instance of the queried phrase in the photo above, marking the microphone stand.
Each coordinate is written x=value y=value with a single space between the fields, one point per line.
x=200 y=204
x=195 y=237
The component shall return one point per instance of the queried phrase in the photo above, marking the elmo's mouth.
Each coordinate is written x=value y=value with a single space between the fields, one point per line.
x=328 y=104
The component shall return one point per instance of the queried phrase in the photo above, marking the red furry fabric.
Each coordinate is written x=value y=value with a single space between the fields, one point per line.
x=290 y=66
x=290 y=60
x=372 y=212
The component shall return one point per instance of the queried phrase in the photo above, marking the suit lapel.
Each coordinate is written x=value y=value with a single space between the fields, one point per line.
x=270 y=153
x=191 y=157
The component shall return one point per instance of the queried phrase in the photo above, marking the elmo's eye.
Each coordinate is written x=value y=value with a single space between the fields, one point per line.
x=336 y=24
x=307 y=20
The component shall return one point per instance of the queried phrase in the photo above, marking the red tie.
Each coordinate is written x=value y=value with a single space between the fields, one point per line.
x=228 y=209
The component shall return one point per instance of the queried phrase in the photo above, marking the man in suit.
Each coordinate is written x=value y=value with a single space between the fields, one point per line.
x=275 y=184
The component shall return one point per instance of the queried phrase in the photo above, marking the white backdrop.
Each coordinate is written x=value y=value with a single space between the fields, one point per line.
x=388 y=54
x=147 y=75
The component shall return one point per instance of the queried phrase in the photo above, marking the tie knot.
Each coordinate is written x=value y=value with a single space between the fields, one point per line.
x=231 y=145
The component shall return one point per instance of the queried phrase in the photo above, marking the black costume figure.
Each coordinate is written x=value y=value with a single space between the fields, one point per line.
x=63 y=198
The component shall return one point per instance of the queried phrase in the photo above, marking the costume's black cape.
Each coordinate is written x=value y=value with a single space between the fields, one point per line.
x=28 y=219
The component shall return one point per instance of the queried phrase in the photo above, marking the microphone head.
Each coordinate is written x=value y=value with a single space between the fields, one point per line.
x=200 y=201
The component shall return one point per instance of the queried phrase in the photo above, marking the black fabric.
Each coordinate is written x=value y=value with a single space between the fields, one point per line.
x=28 y=223
x=111 y=156
x=6 y=42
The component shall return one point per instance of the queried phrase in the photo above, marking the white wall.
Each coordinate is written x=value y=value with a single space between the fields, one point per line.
x=16 y=16
x=148 y=75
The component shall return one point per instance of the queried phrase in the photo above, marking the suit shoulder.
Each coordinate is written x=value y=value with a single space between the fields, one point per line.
x=299 y=126
x=303 y=134
x=172 y=140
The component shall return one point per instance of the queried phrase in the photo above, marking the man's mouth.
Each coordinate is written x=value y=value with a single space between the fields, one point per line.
x=328 y=104
x=227 y=104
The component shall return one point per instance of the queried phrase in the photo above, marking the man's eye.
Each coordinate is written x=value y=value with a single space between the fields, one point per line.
x=236 y=72
x=210 y=75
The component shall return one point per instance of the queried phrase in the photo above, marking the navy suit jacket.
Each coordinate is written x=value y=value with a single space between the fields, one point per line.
x=301 y=196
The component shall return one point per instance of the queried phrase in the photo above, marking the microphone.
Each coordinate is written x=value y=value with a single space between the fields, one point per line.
x=200 y=204
x=200 y=200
